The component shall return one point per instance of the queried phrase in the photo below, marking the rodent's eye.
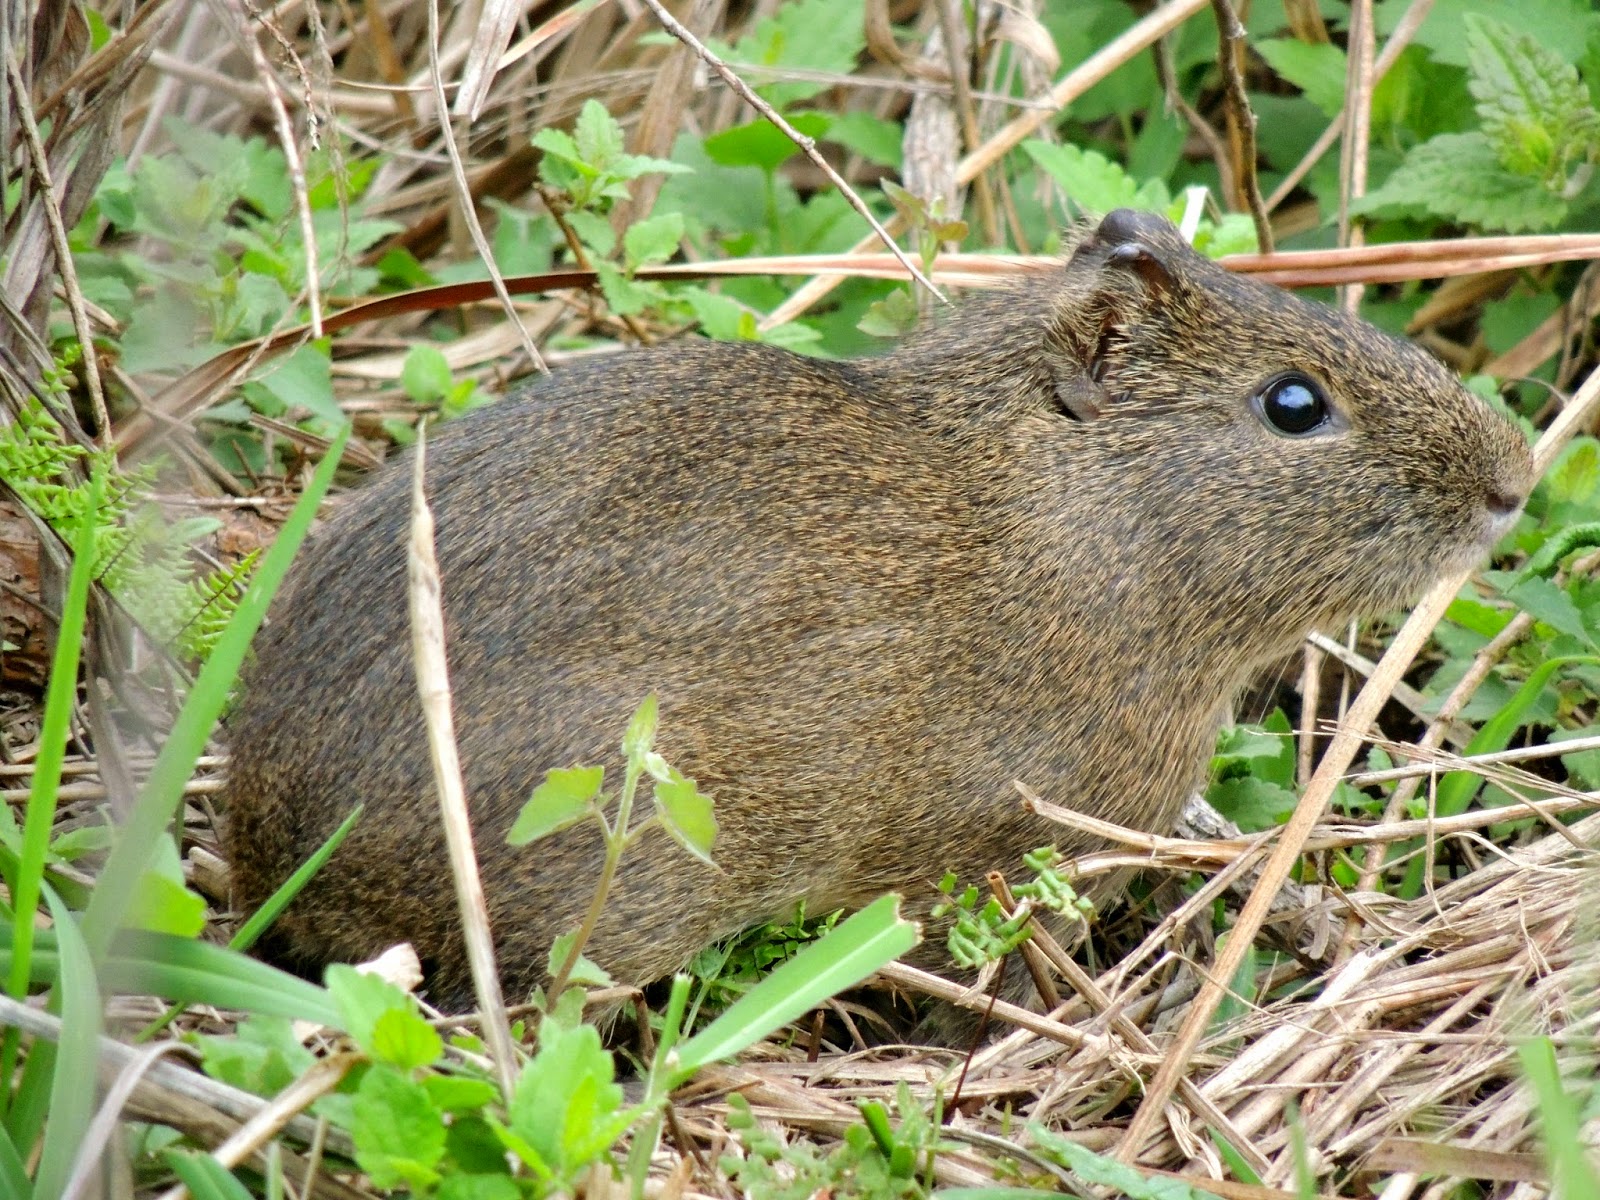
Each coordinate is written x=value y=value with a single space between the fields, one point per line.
x=1293 y=405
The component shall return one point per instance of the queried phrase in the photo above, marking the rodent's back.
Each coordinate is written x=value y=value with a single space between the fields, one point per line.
x=651 y=524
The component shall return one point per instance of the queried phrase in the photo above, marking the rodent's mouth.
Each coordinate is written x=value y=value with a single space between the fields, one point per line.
x=1499 y=522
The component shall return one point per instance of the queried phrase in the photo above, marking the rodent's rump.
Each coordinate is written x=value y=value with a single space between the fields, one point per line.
x=1046 y=539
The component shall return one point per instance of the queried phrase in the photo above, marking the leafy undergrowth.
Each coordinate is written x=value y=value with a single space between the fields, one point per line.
x=1417 y=1018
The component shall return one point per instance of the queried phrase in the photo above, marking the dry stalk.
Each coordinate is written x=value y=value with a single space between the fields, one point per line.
x=433 y=683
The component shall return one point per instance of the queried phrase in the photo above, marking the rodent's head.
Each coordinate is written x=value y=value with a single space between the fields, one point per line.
x=1299 y=465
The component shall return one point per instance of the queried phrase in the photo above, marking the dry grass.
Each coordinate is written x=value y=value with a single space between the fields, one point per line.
x=1391 y=1024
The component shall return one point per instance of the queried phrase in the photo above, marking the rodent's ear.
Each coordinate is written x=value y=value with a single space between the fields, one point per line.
x=1117 y=276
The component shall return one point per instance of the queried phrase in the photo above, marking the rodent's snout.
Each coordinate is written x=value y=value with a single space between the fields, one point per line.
x=1506 y=487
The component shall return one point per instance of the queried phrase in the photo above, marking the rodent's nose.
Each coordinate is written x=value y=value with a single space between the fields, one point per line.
x=1503 y=502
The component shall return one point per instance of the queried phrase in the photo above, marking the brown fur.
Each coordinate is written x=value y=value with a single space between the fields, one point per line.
x=870 y=595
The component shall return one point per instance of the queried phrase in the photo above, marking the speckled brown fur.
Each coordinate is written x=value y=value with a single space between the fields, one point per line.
x=870 y=594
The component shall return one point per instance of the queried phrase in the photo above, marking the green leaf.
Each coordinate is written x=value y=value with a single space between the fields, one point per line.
x=1564 y=26
x=1571 y=1168
x=1458 y=177
x=75 y=1078
x=1104 y=1171
x=398 y=1133
x=1546 y=601
x=850 y=952
x=1092 y=182
x=1316 y=68
x=875 y=139
x=262 y=1056
x=204 y=1176
x=762 y=144
x=363 y=999
x=813 y=35
x=566 y=1102
x=641 y=731
x=687 y=814
x=478 y=1187
x=598 y=136
x=163 y=906
x=425 y=377
x=585 y=972
x=406 y=1040
x=458 y=1094
x=304 y=380
x=566 y=795
x=1534 y=108
x=652 y=240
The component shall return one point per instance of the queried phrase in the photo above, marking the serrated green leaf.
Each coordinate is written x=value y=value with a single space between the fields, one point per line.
x=1092 y=182
x=1546 y=601
x=1458 y=177
x=762 y=144
x=598 y=136
x=652 y=240
x=623 y=296
x=1252 y=804
x=304 y=380
x=1534 y=108
x=399 y=1135
x=1316 y=68
x=456 y=1093
x=563 y=798
x=404 y=1039
x=641 y=732
x=557 y=142
x=585 y=972
x=566 y=1104
x=478 y=1187
x=363 y=998
x=687 y=814
x=825 y=36
x=425 y=377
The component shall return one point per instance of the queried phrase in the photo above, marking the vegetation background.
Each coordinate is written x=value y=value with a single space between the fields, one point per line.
x=247 y=249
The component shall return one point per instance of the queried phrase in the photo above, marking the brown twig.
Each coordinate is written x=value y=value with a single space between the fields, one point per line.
x=39 y=160
x=1241 y=121
x=433 y=683
x=1358 y=128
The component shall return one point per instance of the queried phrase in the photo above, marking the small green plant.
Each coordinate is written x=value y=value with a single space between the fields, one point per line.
x=875 y=1160
x=572 y=794
x=728 y=969
x=1531 y=159
x=983 y=933
x=143 y=560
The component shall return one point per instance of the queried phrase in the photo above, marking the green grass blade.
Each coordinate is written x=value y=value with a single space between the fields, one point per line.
x=1571 y=1168
x=290 y=888
x=205 y=1177
x=13 y=1173
x=1457 y=788
x=55 y=726
x=849 y=953
x=76 y=1075
x=143 y=963
x=158 y=799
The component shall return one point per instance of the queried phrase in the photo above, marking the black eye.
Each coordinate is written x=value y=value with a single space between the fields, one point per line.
x=1293 y=405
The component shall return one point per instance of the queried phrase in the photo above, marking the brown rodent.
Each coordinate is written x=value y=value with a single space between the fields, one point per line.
x=1046 y=539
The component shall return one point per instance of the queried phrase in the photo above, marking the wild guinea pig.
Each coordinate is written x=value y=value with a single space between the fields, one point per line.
x=1047 y=539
